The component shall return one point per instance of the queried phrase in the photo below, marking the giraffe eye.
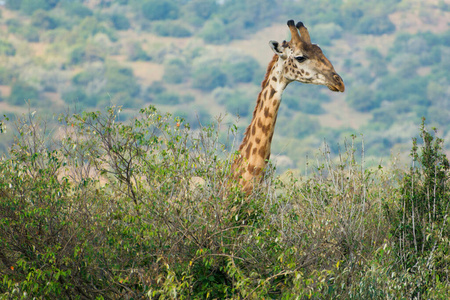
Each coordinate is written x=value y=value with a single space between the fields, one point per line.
x=301 y=58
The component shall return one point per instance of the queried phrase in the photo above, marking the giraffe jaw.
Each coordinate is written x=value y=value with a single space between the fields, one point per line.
x=339 y=88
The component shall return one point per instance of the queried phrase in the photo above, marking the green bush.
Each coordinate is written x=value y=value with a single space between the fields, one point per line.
x=378 y=63
x=30 y=6
x=90 y=26
x=420 y=222
x=14 y=25
x=167 y=98
x=44 y=20
x=136 y=53
x=59 y=244
x=30 y=33
x=208 y=77
x=324 y=34
x=120 y=21
x=79 y=96
x=393 y=87
x=7 y=48
x=83 y=78
x=432 y=57
x=77 y=9
x=240 y=68
x=121 y=80
x=22 y=92
x=6 y=76
x=385 y=116
x=77 y=55
x=215 y=32
x=199 y=11
x=236 y=101
x=157 y=87
x=87 y=53
x=188 y=98
x=303 y=124
x=154 y=10
x=376 y=25
x=195 y=117
x=176 y=71
x=350 y=16
x=307 y=99
x=13 y=4
x=175 y=29
x=112 y=209
x=362 y=99
x=101 y=84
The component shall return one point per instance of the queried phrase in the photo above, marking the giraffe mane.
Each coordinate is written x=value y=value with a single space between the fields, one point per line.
x=269 y=68
x=263 y=85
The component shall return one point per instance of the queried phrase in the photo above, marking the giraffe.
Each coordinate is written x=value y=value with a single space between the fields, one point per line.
x=296 y=60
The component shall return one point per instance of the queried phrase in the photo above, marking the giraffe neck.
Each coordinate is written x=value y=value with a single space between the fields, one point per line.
x=255 y=148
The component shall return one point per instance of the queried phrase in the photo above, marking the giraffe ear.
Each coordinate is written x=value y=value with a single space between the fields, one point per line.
x=278 y=49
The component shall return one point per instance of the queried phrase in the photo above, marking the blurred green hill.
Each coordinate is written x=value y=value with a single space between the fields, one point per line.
x=201 y=58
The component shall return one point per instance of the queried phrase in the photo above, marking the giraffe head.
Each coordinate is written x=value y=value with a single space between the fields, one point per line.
x=304 y=61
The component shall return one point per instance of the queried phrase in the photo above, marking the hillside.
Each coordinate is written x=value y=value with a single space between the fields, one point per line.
x=199 y=59
x=104 y=194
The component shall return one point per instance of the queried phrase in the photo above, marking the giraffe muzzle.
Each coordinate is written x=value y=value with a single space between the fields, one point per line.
x=338 y=84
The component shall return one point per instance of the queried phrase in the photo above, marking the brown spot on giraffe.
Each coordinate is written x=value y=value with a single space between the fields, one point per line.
x=267 y=114
x=257 y=171
x=257 y=140
x=249 y=148
x=272 y=92
x=266 y=129
x=262 y=152
x=259 y=123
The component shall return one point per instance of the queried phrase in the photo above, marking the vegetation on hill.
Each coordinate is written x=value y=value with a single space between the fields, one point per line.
x=107 y=209
x=188 y=57
x=102 y=204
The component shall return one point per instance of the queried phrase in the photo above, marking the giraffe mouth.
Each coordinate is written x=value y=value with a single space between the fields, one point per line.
x=335 y=88
x=338 y=84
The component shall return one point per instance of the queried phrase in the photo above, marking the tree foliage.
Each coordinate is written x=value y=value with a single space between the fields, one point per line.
x=7 y=48
x=21 y=93
x=159 y=10
x=420 y=222
x=30 y=6
x=99 y=212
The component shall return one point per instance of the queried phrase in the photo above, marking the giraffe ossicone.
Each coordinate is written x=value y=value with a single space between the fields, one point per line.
x=296 y=60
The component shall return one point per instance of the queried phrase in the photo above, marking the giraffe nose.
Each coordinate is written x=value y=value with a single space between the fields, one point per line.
x=340 y=86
